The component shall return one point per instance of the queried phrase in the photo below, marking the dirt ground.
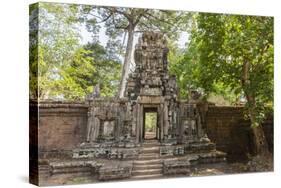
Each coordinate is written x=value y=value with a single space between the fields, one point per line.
x=255 y=164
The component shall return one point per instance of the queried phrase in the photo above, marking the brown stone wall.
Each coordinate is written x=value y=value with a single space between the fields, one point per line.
x=62 y=126
x=227 y=127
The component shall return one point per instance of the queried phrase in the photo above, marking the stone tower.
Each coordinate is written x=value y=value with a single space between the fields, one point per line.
x=152 y=89
x=151 y=77
x=149 y=89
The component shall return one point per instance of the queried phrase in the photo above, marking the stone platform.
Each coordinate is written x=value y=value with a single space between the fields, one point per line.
x=149 y=160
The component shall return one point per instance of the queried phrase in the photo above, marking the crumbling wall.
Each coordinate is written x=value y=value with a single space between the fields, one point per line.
x=227 y=128
x=109 y=120
x=62 y=127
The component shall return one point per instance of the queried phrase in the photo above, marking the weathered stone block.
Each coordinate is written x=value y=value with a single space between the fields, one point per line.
x=175 y=167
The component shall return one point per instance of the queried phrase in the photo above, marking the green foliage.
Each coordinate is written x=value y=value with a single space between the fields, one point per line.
x=150 y=121
x=89 y=66
x=53 y=40
x=73 y=78
x=108 y=69
x=60 y=68
x=178 y=67
x=220 y=47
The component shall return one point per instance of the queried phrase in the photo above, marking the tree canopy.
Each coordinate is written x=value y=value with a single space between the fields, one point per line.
x=232 y=55
x=219 y=48
x=61 y=67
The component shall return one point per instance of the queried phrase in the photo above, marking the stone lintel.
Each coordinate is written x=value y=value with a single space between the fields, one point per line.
x=150 y=99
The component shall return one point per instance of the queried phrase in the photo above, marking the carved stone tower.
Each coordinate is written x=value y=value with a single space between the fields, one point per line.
x=149 y=89
x=151 y=76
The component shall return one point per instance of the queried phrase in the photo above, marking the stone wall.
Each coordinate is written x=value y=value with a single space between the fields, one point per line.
x=62 y=126
x=231 y=132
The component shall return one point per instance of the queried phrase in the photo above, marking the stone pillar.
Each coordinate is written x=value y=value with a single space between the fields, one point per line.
x=200 y=131
x=179 y=130
x=138 y=123
x=141 y=123
x=166 y=118
x=90 y=124
x=134 y=120
x=161 y=120
x=118 y=122
x=93 y=125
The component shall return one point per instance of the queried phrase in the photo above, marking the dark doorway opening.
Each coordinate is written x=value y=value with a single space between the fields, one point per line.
x=150 y=124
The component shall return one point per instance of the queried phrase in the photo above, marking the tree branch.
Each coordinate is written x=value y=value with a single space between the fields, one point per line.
x=140 y=16
x=174 y=24
x=161 y=20
x=105 y=19
x=114 y=10
x=94 y=15
x=115 y=25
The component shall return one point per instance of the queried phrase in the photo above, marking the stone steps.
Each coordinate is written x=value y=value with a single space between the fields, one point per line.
x=150 y=143
x=148 y=165
x=150 y=150
x=146 y=156
x=150 y=135
x=147 y=162
x=153 y=176
x=147 y=172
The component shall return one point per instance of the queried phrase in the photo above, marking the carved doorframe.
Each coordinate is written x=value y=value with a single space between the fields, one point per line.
x=152 y=109
x=143 y=108
x=146 y=102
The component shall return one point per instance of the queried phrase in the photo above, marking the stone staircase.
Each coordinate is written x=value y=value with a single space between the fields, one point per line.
x=148 y=164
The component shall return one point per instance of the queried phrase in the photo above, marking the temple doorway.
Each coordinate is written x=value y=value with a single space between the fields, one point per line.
x=150 y=124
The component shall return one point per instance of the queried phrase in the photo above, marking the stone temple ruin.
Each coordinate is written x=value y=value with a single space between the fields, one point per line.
x=118 y=144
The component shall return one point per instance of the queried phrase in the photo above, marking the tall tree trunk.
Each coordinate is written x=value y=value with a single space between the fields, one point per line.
x=127 y=60
x=259 y=140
